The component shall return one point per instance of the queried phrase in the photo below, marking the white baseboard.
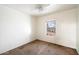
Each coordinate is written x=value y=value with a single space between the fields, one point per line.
x=56 y=43
x=18 y=46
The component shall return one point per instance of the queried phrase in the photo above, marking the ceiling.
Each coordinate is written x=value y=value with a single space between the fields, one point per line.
x=47 y=8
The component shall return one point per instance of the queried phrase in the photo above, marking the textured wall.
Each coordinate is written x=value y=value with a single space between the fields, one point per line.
x=65 y=28
x=16 y=29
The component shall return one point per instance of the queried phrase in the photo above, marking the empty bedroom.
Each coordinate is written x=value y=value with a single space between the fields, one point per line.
x=39 y=29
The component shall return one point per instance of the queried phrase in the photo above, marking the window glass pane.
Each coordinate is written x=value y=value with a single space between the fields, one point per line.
x=51 y=27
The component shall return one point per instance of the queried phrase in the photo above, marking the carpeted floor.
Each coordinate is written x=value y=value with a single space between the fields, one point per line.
x=41 y=48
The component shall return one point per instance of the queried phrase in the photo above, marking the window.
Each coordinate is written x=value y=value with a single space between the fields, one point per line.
x=51 y=27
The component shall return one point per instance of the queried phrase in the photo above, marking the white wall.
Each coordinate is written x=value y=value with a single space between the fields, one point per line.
x=65 y=28
x=77 y=42
x=34 y=27
x=16 y=29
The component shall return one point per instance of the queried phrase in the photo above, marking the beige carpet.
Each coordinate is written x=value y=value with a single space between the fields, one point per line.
x=38 y=47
